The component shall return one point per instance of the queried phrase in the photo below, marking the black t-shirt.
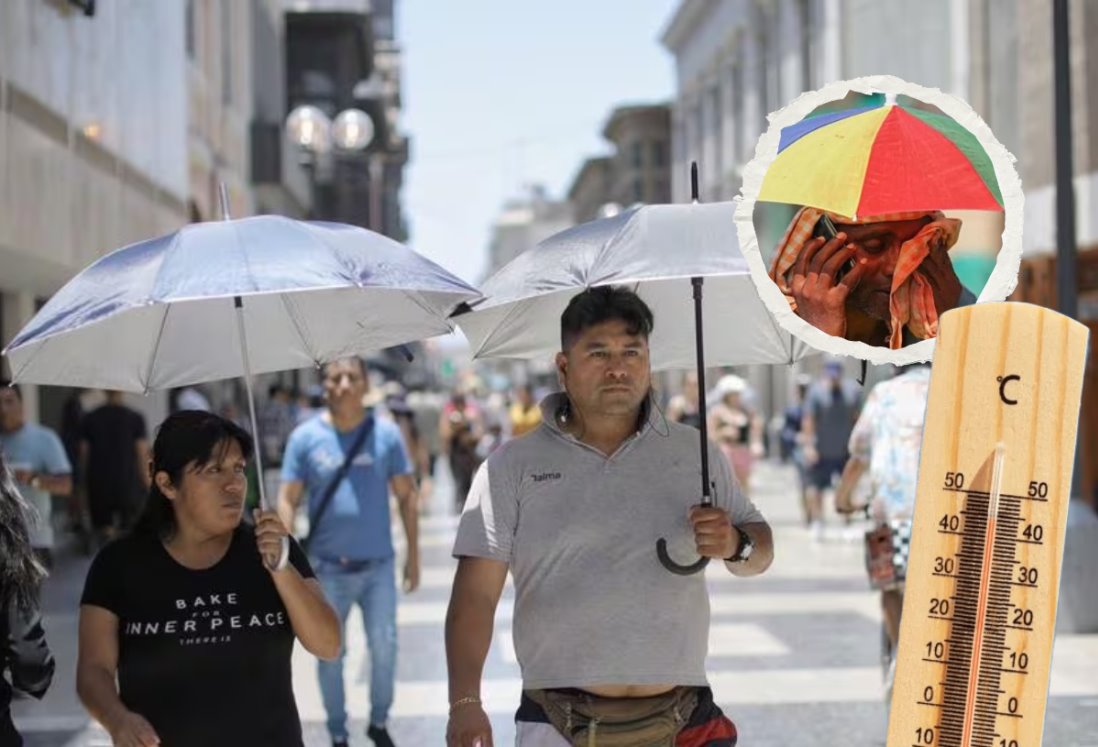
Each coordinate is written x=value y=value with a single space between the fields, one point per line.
x=203 y=655
x=111 y=432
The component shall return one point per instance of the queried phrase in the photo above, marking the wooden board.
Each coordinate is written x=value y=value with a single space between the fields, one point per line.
x=982 y=584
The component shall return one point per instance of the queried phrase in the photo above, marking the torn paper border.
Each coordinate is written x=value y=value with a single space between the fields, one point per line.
x=1003 y=278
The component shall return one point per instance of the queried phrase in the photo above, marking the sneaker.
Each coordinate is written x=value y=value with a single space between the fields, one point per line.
x=817 y=531
x=379 y=735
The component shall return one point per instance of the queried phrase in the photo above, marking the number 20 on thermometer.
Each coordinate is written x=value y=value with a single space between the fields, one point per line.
x=987 y=541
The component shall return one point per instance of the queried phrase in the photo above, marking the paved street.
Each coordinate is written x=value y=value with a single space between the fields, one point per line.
x=793 y=654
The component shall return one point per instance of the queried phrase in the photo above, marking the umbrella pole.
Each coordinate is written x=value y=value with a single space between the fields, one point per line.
x=703 y=426
x=238 y=304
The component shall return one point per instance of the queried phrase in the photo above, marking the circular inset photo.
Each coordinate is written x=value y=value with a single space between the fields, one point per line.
x=872 y=207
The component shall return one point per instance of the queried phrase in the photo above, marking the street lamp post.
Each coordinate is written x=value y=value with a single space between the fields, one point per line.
x=318 y=136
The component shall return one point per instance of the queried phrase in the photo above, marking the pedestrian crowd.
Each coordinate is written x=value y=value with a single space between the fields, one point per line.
x=197 y=593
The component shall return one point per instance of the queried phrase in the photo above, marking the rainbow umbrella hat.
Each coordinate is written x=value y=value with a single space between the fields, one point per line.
x=879 y=159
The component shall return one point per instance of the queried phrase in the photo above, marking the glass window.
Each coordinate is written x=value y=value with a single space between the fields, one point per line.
x=659 y=154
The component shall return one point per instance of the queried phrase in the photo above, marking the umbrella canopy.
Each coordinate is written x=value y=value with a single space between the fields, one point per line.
x=877 y=160
x=654 y=250
x=163 y=313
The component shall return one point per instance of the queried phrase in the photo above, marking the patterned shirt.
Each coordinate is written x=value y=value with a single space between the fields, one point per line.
x=889 y=436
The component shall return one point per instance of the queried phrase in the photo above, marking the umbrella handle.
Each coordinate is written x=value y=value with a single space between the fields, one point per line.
x=671 y=565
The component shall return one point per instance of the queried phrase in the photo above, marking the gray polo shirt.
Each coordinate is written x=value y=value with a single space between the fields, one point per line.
x=593 y=605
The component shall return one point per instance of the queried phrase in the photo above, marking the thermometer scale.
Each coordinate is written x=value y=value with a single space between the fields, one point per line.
x=983 y=573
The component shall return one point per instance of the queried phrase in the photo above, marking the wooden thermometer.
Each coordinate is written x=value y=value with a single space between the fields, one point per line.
x=987 y=541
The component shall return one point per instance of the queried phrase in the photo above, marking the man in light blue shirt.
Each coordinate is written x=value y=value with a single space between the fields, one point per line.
x=38 y=462
x=350 y=544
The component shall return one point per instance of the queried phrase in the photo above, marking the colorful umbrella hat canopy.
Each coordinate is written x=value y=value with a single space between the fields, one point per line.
x=878 y=160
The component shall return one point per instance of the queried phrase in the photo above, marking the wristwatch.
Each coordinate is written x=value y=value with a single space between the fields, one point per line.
x=744 y=550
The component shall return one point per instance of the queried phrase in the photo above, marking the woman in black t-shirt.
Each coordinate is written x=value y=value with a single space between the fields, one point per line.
x=191 y=611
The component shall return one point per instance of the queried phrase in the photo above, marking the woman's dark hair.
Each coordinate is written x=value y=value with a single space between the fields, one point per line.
x=604 y=304
x=184 y=438
x=20 y=572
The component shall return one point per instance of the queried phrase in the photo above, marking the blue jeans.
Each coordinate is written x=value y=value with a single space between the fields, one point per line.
x=372 y=585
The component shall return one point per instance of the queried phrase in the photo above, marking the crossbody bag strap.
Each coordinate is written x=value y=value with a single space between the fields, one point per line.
x=341 y=473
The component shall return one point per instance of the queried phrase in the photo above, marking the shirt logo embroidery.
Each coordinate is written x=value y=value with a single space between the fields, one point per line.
x=543 y=476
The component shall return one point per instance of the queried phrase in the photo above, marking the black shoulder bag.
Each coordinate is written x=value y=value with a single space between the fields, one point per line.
x=329 y=493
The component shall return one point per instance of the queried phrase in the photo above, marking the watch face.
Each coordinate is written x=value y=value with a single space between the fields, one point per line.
x=748 y=548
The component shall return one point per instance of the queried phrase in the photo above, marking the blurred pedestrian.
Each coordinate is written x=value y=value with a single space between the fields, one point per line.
x=524 y=413
x=427 y=406
x=831 y=408
x=791 y=439
x=490 y=441
x=114 y=459
x=344 y=462
x=276 y=423
x=460 y=429
x=26 y=664
x=72 y=414
x=405 y=418
x=684 y=407
x=38 y=463
x=736 y=428
x=187 y=624
x=885 y=444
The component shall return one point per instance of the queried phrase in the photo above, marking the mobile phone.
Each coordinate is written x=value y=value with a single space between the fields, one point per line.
x=824 y=227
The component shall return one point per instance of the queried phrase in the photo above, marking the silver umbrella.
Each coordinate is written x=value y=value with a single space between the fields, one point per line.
x=667 y=254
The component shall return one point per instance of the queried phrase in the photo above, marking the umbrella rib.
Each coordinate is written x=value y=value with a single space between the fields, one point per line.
x=416 y=297
x=15 y=376
x=488 y=338
x=156 y=349
x=291 y=310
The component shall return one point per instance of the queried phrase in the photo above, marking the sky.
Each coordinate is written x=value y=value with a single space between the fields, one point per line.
x=499 y=94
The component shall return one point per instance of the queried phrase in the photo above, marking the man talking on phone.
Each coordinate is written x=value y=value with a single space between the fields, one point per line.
x=882 y=280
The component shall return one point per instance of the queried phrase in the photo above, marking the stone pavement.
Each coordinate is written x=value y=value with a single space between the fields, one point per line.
x=794 y=654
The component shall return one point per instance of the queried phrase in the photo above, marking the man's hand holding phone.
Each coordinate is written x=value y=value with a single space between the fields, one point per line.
x=823 y=278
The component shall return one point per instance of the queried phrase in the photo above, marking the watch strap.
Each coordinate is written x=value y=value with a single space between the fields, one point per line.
x=745 y=542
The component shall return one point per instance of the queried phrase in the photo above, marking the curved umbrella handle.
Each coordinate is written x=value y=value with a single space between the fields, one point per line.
x=671 y=565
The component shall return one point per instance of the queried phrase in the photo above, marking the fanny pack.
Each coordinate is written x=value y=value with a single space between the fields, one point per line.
x=587 y=720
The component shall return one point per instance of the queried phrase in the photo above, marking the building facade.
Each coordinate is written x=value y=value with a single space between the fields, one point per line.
x=280 y=184
x=637 y=171
x=523 y=223
x=592 y=188
x=218 y=40
x=93 y=147
x=738 y=61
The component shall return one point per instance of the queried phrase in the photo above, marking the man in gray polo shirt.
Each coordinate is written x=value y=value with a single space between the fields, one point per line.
x=607 y=639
